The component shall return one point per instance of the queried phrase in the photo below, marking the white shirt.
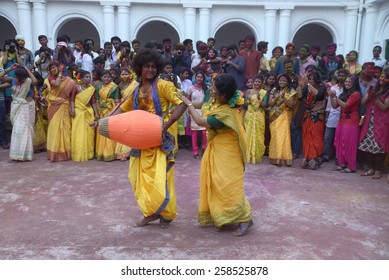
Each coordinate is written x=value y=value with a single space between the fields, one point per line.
x=334 y=115
x=86 y=61
x=378 y=62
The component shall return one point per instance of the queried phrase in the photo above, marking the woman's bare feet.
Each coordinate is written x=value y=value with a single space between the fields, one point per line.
x=243 y=228
x=146 y=221
x=163 y=225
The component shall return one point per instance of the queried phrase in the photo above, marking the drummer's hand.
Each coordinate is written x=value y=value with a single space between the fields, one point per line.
x=94 y=124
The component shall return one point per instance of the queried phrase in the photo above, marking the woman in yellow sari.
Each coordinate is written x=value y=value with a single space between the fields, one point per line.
x=222 y=197
x=254 y=121
x=281 y=103
x=108 y=96
x=59 y=127
x=122 y=152
x=151 y=170
x=84 y=111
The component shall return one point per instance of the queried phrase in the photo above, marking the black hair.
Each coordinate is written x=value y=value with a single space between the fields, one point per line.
x=226 y=85
x=82 y=73
x=288 y=79
x=98 y=60
x=145 y=56
x=233 y=47
x=115 y=38
x=41 y=37
x=187 y=41
x=20 y=72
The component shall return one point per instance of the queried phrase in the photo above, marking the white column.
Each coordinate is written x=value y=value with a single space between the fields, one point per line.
x=369 y=29
x=190 y=23
x=24 y=21
x=124 y=22
x=109 y=21
x=270 y=28
x=284 y=27
x=350 y=30
x=204 y=21
x=39 y=18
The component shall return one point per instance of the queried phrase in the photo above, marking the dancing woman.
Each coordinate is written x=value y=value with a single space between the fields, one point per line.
x=222 y=197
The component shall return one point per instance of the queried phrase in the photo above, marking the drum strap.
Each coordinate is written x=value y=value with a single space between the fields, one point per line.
x=154 y=95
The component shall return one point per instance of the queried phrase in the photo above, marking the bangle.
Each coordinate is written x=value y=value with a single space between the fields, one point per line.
x=189 y=104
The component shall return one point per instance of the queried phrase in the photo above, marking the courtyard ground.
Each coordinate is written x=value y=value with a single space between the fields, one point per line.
x=71 y=210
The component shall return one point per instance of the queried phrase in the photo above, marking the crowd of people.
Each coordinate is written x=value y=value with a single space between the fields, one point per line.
x=245 y=106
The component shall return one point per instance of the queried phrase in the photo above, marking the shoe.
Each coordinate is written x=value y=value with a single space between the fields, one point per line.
x=196 y=156
x=325 y=159
x=5 y=146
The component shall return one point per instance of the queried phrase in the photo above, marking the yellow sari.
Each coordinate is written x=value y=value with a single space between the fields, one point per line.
x=122 y=152
x=151 y=179
x=222 y=199
x=280 y=115
x=105 y=147
x=254 y=122
x=59 y=129
x=83 y=136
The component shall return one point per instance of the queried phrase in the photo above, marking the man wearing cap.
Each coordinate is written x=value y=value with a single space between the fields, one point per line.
x=264 y=66
x=25 y=54
x=63 y=55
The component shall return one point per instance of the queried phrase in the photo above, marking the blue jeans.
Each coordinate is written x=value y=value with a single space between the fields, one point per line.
x=3 y=133
x=329 y=136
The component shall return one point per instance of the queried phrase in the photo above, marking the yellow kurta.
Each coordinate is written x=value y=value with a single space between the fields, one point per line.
x=152 y=184
x=83 y=136
x=222 y=199
x=280 y=148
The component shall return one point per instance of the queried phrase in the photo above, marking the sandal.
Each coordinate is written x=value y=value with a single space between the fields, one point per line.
x=196 y=156
x=243 y=228
x=339 y=168
x=368 y=173
x=347 y=170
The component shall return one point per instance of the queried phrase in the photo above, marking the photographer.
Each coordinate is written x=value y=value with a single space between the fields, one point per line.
x=236 y=66
x=125 y=55
x=10 y=57
x=63 y=54
x=85 y=61
x=42 y=61
x=181 y=59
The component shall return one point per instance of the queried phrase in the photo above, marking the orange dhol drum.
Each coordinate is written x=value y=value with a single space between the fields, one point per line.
x=136 y=129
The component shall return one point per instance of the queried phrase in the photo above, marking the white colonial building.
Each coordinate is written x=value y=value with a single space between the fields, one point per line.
x=352 y=24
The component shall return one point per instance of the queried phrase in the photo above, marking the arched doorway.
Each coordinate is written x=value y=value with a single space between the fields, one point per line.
x=313 y=34
x=7 y=31
x=79 y=29
x=157 y=30
x=232 y=33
